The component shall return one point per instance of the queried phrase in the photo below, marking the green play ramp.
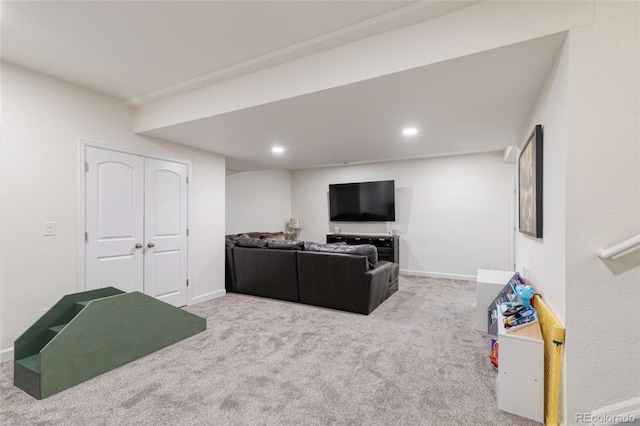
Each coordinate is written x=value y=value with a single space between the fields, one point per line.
x=89 y=333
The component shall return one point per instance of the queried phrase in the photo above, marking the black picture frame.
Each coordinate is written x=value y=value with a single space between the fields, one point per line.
x=530 y=185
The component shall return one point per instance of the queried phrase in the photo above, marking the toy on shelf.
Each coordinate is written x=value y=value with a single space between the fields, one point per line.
x=525 y=292
x=494 y=352
x=517 y=315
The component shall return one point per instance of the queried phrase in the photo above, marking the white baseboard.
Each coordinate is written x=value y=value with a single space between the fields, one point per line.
x=619 y=413
x=208 y=296
x=438 y=275
x=6 y=355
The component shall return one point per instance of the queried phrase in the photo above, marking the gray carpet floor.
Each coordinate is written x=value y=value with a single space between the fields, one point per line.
x=416 y=360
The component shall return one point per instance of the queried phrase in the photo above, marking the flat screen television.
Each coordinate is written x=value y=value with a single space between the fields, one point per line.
x=362 y=202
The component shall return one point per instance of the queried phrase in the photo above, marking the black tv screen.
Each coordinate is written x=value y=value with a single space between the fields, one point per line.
x=362 y=202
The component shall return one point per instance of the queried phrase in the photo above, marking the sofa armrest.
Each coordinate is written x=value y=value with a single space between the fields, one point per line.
x=229 y=275
x=377 y=284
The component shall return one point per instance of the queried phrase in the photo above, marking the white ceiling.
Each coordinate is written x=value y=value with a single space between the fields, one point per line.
x=141 y=51
x=477 y=103
x=132 y=50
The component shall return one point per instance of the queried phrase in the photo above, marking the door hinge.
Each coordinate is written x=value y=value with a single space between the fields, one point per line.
x=187 y=232
x=187 y=283
x=86 y=167
x=86 y=236
x=187 y=180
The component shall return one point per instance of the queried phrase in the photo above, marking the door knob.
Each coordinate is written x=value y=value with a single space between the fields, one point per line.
x=151 y=245
x=139 y=245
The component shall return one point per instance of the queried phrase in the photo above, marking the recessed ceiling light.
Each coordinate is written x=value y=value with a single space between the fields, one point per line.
x=409 y=131
x=277 y=150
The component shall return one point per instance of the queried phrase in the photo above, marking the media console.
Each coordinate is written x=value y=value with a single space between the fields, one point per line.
x=387 y=245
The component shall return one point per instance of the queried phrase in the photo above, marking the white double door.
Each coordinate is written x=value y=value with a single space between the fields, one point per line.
x=136 y=224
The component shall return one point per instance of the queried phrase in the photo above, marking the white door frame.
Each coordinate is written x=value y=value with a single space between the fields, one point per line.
x=82 y=218
x=513 y=222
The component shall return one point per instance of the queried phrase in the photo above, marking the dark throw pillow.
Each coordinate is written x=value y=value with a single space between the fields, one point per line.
x=368 y=250
x=285 y=245
x=230 y=240
x=363 y=249
x=251 y=242
x=277 y=236
x=310 y=245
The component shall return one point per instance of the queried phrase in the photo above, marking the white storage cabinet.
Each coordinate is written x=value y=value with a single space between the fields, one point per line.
x=520 y=382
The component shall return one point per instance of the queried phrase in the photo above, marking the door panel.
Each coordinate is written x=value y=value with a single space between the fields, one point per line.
x=117 y=215
x=167 y=270
x=167 y=218
x=114 y=220
x=117 y=271
x=166 y=231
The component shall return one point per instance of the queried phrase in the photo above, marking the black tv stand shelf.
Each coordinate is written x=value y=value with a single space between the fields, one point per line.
x=387 y=245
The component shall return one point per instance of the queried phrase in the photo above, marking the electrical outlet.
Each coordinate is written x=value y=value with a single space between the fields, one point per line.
x=486 y=265
x=49 y=229
x=525 y=273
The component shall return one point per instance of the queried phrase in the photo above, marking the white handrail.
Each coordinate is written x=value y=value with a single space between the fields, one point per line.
x=619 y=250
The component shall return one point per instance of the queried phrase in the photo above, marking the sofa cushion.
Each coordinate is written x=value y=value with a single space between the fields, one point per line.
x=249 y=235
x=285 y=245
x=251 y=242
x=276 y=236
x=368 y=250
x=266 y=273
x=395 y=271
x=230 y=240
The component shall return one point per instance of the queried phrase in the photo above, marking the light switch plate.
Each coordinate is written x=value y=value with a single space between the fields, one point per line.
x=49 y=228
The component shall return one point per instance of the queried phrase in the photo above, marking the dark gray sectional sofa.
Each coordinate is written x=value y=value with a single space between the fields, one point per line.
x=348 y=282
x=265 y=272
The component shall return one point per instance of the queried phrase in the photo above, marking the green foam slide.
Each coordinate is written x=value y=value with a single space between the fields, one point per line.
x=89 y=333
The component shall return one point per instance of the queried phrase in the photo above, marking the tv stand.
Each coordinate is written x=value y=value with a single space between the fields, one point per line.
x=387 y=245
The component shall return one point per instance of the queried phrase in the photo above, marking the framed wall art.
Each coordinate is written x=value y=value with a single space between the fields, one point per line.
x=530 y=185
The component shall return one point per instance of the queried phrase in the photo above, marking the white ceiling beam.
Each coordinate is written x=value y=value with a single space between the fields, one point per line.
x=478 y=28
x=408 y=15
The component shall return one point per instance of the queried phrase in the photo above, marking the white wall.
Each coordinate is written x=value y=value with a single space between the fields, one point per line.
x=452 y=213
x=42 y=121
x=603 y=201
x=545 y=257
x=590 y=109
x=258 y=201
